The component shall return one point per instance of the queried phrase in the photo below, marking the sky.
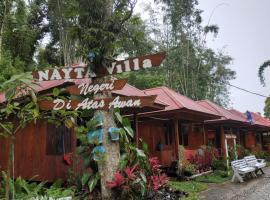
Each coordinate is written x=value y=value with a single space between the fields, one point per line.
x=244 y=34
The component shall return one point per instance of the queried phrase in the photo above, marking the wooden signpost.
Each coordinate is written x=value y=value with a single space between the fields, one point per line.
x=101 y=101
x=94 y=88
x=80 y=72
x=98 y=104
x=131 y=64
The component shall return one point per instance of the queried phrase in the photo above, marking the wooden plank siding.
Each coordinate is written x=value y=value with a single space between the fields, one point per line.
x=31 y=158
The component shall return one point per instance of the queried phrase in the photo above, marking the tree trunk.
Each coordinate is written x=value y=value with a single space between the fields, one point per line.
x=109 y=165
x=6 y=4
x=10 y=164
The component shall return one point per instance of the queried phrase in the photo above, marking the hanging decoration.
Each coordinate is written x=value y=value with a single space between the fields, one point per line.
x=114 y=133
x=98 y=153
x=95 y=137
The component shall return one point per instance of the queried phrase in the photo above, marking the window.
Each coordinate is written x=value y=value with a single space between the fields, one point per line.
x=59 y=140
x=168 y=133
x=184 y=132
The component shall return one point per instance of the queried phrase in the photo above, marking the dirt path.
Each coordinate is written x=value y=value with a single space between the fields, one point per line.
x=252 y=189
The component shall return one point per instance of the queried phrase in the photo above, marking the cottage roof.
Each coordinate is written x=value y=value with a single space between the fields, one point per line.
x=257 y=119
x=176 y=101
x=225 y=114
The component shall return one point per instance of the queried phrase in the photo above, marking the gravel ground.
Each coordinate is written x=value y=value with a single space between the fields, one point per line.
x=251 y=189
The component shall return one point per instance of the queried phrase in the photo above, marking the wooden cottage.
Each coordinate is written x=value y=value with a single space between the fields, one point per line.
x=166 y=129
x=233 y=128
x=256 y=135
x=40 y=147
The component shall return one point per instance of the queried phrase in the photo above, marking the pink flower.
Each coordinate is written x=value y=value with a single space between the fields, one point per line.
x=158 y=181
x=154 y=164
x=130 y=172
x=117 y=180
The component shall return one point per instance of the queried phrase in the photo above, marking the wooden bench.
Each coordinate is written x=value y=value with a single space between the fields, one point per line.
x=241 y=170
x=258 y=164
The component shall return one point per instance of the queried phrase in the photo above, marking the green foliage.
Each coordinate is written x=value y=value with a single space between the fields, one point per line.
x=242 y=152
x=22 y=30
x=189 y=168
x=188 y=186
x=23 y=189
x=193 y=188
x=190 y=67
x=262 y=68
x=267 y=108
x=217 y=176
x=219 y=164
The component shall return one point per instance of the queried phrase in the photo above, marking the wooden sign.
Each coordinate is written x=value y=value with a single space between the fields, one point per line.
x=98 y=104
x=94 y=88
x=79 y=72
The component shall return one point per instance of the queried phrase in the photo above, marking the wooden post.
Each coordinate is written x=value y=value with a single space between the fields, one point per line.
x=235 y=148
x=176 y=134
x=204 y=136
x=135 y=120
x=222 y=138
x=226 y=152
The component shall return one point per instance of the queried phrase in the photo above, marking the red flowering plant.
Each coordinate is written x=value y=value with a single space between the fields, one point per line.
x=203 y=158
x=137 y=176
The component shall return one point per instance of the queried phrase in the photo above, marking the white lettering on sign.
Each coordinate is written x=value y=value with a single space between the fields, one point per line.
x=96 y=104
x=59 y=104
x=67 y=72
x=87 y=88
x=82 y=72
x=79 y=72
x=43 y=75
x=55 y=75
x=90 y=104
x=117 y=103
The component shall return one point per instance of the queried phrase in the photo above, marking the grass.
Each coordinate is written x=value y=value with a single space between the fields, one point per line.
x=193 y=188
x=267 y=163
x=215 y=177
x=190 y=187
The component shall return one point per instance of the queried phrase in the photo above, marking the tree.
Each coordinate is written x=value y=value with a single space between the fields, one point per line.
x=262 y=68
x=22 y=28
x=190 y=68
x=267 y=108
x=101 y=29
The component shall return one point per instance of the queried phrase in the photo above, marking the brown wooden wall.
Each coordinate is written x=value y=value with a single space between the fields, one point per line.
x=153 y=133
x=30 y=155
x=250 y=141
x=195 y=139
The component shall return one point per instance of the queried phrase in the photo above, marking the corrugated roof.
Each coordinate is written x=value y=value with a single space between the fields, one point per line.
x=257 y=118
x=45 y=85
x=225 y=114
x=176 y=101
x=129 y=90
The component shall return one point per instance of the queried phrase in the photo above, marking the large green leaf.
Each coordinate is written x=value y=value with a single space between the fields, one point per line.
x=129 y=130
x=56 y=92
x=140 y=153
x=85 y=178
x=93 y=182
x=118 y=117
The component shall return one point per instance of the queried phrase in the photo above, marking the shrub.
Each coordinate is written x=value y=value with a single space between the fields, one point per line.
x=219 y=164
x=189 y=169
x=203 y=158
x=242 y=152
x=135 y=182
